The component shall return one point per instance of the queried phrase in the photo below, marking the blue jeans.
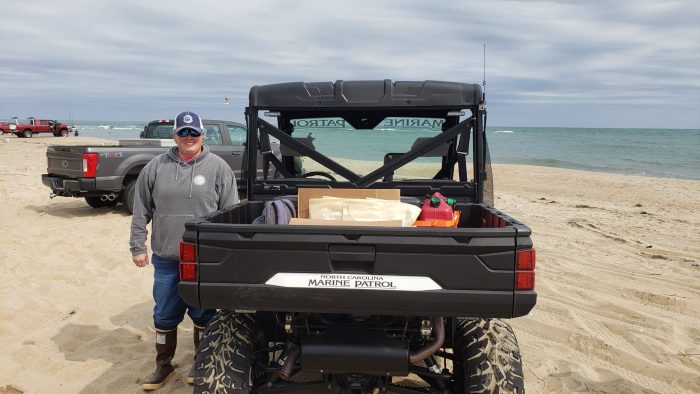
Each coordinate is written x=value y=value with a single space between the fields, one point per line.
x=170 y=308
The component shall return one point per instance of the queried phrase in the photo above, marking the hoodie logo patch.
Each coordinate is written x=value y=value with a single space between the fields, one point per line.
x=199 y=180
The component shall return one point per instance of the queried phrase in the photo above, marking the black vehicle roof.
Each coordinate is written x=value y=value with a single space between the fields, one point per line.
x=366 y=94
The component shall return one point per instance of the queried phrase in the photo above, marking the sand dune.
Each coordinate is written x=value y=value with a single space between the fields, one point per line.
x=618 y=280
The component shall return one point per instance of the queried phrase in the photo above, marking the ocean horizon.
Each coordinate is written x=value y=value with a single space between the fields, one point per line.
x=668 y=153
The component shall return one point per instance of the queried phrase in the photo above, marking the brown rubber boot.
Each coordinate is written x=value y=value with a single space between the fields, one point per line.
x=197 y=337
x=166 y=342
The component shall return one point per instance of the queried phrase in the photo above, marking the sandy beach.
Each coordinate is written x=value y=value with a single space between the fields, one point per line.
x=618 y=277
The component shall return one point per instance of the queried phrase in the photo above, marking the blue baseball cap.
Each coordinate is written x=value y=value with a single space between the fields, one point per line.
x=188 y=120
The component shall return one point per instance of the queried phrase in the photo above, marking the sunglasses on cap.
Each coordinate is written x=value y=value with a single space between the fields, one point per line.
x=186 y=132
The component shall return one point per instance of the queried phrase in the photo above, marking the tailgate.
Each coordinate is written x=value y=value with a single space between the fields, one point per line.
x=368 y=270
x=66 y=161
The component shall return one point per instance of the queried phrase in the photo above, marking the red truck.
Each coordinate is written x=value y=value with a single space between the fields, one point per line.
x=35 y=126
x=5 y=127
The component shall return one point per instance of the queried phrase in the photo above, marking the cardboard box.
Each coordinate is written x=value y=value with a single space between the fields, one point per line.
x=314 y=222
x=304 y=194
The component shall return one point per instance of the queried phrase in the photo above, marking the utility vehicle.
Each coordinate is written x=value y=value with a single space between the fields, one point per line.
x=362 y=309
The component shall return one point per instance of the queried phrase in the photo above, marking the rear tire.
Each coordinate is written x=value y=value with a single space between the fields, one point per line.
x=27 y=133
x=487 y=358
x=128 y=196
x=226 y=356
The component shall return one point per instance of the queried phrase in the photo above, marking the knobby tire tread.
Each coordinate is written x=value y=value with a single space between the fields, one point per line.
x=487 y=358
x=223 y=363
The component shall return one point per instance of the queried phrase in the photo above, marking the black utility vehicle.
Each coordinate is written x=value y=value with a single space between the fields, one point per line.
x=355 y=309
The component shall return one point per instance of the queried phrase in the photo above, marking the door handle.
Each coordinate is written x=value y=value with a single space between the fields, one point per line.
x=236 y=153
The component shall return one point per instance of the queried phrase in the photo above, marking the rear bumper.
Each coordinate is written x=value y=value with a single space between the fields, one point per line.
x=447 y=303
x=70 y=187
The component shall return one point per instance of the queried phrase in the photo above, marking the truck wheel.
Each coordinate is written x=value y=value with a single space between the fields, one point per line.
x=27 y=133
x=94 y=202
x=487 y=358
x=63 y=133
x=128 y=196
x=226 y=357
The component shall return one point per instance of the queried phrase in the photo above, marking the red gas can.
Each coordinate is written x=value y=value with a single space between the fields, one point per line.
x=436 y=208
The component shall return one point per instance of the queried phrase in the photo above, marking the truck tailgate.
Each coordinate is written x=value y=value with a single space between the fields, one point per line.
x=66 y=161
x=361 y=270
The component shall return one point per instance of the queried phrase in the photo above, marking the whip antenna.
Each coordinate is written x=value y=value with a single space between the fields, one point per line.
x=483 y=83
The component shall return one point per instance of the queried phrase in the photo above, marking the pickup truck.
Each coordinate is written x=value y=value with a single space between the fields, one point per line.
x=106 y=175
x=360 y=307
x=33 y=126
x=5 y=127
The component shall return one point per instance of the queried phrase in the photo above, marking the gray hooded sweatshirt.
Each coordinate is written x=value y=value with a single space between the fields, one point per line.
x=170 y=192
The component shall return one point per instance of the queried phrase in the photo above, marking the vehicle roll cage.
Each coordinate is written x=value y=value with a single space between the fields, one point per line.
x=461 y=129
x=364 y=104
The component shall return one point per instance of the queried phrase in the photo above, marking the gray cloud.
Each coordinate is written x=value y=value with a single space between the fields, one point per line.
x=623 y=63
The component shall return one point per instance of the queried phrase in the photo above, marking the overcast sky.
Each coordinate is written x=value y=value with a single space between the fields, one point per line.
x=621 y=63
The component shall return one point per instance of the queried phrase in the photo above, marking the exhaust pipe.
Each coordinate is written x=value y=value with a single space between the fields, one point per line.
x=287 y=369
x=108 y=197
x=433 y=346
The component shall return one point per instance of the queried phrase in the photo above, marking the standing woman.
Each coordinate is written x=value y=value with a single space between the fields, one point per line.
x=185 y=183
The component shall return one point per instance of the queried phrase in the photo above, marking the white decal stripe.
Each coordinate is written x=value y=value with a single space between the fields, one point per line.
x=353 y=281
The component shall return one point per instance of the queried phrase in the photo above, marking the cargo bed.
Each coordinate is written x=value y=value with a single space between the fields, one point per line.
x=464 y=271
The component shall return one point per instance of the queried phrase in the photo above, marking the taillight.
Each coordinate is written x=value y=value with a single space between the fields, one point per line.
x=524 y=280
x=188 y=262
x=525 y=269
x=89 y=164
x=525 y=260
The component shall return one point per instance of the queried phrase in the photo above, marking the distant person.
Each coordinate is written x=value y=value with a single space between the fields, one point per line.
x=185 y=183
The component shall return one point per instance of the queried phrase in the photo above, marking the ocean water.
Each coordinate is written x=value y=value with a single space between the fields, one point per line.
x=109 y=129
x=671 y=153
